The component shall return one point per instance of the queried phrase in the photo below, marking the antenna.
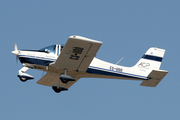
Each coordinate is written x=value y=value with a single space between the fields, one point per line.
x=119 y=60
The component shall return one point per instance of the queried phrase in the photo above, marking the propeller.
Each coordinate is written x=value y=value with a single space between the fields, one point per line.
x=16 y=52
x=15 y=47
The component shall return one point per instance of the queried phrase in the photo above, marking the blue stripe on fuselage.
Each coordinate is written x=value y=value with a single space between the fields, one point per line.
x=35 y=60
x=102 y=71
x=94 y=70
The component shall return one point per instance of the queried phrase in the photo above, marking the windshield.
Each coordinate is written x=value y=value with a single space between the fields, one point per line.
x=49 y=49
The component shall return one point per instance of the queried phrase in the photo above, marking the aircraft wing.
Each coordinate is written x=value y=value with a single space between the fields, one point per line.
x=51 y=79
x=77 y=54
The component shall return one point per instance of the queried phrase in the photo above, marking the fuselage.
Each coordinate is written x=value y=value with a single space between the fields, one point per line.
x=66 y=64
x=41 y=59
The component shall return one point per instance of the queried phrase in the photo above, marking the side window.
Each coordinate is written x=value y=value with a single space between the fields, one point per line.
x=58 y=50
x=62 y=46
x=54 y=50
x=50 y=49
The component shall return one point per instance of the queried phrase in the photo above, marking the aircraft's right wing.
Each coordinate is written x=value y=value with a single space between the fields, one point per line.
x=77 y=54
x=51 y=79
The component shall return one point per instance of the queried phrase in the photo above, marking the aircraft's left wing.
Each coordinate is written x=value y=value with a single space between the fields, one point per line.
x=77 y=54
x=51 y=79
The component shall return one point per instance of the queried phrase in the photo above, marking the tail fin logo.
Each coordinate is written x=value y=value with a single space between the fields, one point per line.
x=144 y=65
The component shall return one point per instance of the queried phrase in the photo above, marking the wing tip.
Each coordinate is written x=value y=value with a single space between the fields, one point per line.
x=85 y=39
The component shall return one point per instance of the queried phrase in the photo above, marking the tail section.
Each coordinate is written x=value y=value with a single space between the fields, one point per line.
x=154 y=78
x=151 y=59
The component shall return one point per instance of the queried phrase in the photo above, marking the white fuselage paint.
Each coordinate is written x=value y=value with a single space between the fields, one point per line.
x=97 y=69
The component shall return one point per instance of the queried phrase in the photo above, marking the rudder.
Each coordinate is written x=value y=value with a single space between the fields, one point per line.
x=151 y=59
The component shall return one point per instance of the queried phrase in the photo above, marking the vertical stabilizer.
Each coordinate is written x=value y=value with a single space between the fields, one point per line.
x=151 y=59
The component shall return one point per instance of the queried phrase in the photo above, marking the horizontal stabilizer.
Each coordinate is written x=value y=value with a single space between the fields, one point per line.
x=154 y=78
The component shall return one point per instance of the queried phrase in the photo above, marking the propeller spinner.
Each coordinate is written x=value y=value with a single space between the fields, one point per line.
x=16 y=51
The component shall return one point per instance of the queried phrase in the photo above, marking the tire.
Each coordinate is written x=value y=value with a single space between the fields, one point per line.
x=64 y=81
x=56 y=89
x=23 y=79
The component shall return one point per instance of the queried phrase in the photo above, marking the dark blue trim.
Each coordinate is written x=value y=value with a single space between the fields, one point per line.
x=31 y=50
x=102 y=71
x=35 y=61
x=43 y=58
x=150 y=57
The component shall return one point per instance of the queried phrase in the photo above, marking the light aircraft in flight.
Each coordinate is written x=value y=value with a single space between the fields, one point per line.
x=66 y=64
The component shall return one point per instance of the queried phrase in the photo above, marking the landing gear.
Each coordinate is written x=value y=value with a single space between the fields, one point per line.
x=64 y=79
x=23 y=79
x=58 y=88
x=24 y=76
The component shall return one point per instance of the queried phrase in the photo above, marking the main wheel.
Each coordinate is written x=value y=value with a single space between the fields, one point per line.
x=56 y=88
x=64 y=81
x=23 y=79
x=65 y=78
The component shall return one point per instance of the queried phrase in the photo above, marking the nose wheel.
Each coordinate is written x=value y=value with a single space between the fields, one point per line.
x=23 y=79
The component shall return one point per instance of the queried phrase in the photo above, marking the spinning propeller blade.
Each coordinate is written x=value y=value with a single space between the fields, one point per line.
x=15 y=47
x=16 y=52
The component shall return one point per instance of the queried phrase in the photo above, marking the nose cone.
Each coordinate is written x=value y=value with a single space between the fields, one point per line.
x=15 y=52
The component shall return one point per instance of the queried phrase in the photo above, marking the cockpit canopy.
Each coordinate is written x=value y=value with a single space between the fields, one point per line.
x=53 y=49
x=49 y=49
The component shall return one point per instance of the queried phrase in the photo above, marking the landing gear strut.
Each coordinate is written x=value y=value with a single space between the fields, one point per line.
x=24 y=76
x=64 y=79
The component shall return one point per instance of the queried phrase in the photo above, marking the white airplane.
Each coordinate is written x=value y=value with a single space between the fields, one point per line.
x=66 y=64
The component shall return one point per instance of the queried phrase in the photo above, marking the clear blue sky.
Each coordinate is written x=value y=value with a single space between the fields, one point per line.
x=127 y=29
